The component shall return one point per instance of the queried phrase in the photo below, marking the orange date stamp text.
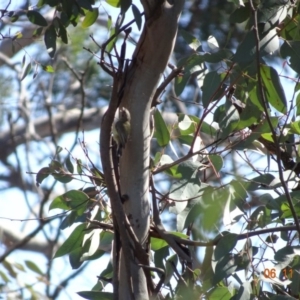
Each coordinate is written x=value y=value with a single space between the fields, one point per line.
x=271 y=273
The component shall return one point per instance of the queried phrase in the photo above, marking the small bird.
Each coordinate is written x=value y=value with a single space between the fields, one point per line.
x=121 y=129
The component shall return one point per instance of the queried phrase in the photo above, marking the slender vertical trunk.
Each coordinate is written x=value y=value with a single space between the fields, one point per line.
x=148 y=63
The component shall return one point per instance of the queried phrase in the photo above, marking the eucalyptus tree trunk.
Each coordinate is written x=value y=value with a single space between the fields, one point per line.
x=142 y=78
x=148 y=63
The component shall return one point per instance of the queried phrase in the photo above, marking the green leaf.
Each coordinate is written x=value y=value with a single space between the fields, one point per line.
x=246 y=51
x=257 y=217
x=212 y=89
x=220 y=293
x=17 y=35
x=50 y=40
x=137 y=16
x=160 y=257
x=4 y=277
x=63 y=33
x=225 y=245
x=192 y=64
x=285 y=255
x=94 y=238
x=217 y=56
x=251 y=114
x=23 y=61
x=109 y=23
x=69 y=165
x=120 y=20
x=169 y=271
x=228 y=118
x=272 y=12
x=195 y=209
x=268 y=43
x=241 y=14
x=59 y=202
x=70 y=219
x=268 y=137
x=225 y=267
x=79 y=166
x=187 y=188
x=217 y=162
x=186 y=139
x=214 y=201
x=36 y=18
x=98 y=176
x=106 y=239
x=295 y=127
x=186 y=125
x=191 y=40
x=41 y=3
x=245 y=291
x=111 y=44
x=265 y=181
x=95 y=295
x=55 y=165
x=125 y=4
x=74 y=241
x=42 y=174
x=238 y=189
x=162 y=133
x=254 y=95
x=75 y=257
x=290 y=30
x=48 y=68
x=165 y=160
x=90 y=18
x=37 y=32
x=180 y=82
x=265 y=127
x=36 y=72
x=208 y=129
x=62 y=177
x=274 y=92
x=108 y=271
x=26 y=71
x=9 y=268
x=69 y=9
x=114 y=3
x=14 y=18
x=298 y=105
x=33 y=267
x=73 y=199
x=58 y=150
x=157 y=244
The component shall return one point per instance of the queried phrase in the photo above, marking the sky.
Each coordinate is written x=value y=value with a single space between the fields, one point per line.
x=12 y=199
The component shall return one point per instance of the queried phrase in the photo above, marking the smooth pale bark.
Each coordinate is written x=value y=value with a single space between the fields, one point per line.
x=148 y=63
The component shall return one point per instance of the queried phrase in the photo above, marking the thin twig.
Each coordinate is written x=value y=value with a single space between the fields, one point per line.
x=175 y=72
x=184 y=158
x=81 y=79
x=162 y=232
x=24 y=241
x=207 y=111
x=112 y=187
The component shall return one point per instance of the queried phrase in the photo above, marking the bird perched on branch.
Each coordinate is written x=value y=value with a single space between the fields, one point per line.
x=121 y=129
